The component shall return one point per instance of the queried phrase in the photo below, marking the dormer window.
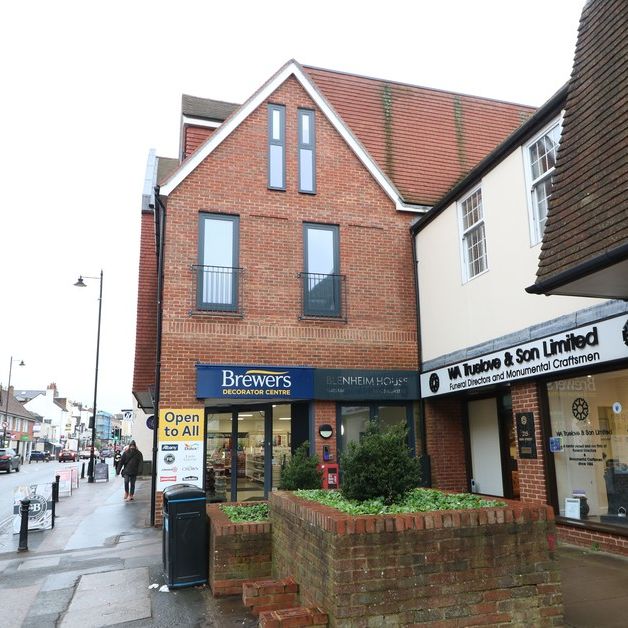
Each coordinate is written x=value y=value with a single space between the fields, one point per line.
x=276 y=147
x=307 y=152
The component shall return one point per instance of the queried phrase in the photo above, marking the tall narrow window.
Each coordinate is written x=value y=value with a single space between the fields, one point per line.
x=541 y=158
x=473 y=236
x=321 y=285
x=276 y=147
x=218 y=278
x=307 y=151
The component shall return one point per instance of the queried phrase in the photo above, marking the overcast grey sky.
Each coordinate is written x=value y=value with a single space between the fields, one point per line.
x=89 y=87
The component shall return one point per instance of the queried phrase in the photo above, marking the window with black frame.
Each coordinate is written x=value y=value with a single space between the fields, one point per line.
x=217 y=271
x=354 y=420
x=321 y=279
x=307 y=151
x=276 y=147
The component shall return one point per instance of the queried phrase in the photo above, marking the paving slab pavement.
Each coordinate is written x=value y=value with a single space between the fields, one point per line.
x=114 y=597
x=595 y=588
x=94 y=569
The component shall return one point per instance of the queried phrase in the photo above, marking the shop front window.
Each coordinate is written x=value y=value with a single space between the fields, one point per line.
x=353 y=423
x=240 y=442
x=354 y=420
x=589 y=425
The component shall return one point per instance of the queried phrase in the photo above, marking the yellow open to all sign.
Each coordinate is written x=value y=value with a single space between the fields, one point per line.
x=181 y=424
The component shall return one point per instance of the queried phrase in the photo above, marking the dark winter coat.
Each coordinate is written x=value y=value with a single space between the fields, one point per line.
x=131 y=462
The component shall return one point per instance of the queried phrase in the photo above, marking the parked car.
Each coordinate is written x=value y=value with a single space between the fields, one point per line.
x=67 y=454
x=37 y=456
x=105 y=452
x=85 y=454
x=9 y=460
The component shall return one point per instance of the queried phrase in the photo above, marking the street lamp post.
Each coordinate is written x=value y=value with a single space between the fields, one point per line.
x=5 y=423
x=81 y=284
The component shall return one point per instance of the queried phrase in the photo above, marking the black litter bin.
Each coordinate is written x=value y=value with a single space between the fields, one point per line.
x=184 y=549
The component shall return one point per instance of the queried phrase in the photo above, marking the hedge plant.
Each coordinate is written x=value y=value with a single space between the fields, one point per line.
x=380 y=466
x=301 y=472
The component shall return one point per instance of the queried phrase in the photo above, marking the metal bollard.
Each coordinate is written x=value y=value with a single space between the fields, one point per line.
x=83 y=471
x=23 y=544
x=55 y=489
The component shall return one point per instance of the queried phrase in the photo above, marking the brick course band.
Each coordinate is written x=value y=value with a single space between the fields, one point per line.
x=334 y=521
x=204 y=329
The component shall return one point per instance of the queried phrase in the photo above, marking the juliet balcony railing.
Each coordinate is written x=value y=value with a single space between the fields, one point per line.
x=323 y=296
x=218 y=288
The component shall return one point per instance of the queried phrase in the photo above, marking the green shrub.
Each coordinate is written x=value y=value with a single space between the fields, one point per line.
x=301 y=472
x=417 y=500
x=244 y=514
x=379 y=466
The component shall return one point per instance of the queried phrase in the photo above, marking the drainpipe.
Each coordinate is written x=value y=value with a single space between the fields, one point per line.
x=160 y=215
x=426 y=479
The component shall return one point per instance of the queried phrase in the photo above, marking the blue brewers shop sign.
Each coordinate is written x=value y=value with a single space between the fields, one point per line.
x=253 y=382
x=278 y=383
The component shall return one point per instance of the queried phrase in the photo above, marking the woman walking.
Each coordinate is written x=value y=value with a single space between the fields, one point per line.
x=130 y=465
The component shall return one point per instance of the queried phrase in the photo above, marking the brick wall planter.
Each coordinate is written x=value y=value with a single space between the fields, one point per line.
x=238 y=552
x=458 y=568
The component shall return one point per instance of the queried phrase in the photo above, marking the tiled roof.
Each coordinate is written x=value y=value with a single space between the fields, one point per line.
x=61 y=402
x=424 y=139
x=543 y=115
x=588 y=211
x=205 y=108
x=15 y=407
x=165 y=167
x=26 y=395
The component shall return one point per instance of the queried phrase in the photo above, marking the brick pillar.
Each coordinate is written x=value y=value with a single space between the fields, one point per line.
x=445 y=443
x=325 y=412
x=532 y=480
x=159 y=504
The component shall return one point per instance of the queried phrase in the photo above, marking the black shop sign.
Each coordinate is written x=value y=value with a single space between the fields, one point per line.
x=361 y=385
x=101 y=471
x=524 y=423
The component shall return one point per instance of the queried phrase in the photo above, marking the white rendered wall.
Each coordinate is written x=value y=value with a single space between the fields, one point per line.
x=456 y=315
x=45 y=406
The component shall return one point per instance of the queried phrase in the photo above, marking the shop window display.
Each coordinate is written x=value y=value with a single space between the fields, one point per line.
x=589 y=421
x=248 y=451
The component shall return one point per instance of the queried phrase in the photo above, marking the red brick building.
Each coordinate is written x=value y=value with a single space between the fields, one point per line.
x=276 y=289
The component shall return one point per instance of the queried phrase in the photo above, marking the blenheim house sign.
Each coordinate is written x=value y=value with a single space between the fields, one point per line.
x=597 y=343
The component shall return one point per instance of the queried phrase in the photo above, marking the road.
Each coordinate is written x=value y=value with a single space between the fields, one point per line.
x=33 y=473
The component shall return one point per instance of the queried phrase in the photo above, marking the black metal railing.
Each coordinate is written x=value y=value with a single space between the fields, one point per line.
x=323 y=295
x=218 y=288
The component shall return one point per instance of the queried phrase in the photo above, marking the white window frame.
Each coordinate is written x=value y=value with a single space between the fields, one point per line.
x=536 y=233
x=464 y=233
